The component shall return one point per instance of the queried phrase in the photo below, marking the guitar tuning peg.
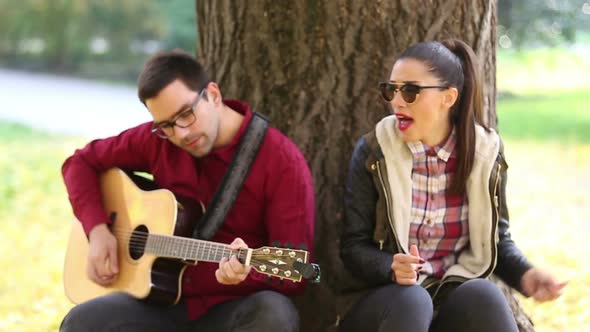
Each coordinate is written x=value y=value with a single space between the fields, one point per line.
x=289 y=245
x=276 y=243
x=302 y=246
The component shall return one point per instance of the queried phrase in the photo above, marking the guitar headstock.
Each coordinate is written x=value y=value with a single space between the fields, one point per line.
x=279 y=262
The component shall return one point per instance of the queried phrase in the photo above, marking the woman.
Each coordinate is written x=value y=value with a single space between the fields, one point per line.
x=426 y=218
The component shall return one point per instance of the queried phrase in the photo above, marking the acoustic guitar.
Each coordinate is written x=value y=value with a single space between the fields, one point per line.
x=153 y=230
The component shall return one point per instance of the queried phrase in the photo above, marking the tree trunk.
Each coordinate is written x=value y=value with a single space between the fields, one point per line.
x=312 y=68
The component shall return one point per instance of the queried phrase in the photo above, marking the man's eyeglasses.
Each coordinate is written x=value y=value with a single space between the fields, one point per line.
x=409 y=91
x=183 y=120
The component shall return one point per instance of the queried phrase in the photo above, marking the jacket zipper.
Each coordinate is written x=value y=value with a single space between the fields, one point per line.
x=495 y=219
x=496 y=213
x=387 y=204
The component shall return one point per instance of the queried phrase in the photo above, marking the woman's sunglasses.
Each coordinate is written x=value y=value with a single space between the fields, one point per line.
x=409 y=91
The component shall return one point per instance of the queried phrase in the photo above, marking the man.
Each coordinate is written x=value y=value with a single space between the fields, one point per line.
x=187 y=148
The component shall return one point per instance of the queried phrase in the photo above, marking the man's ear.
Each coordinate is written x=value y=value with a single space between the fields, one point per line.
x=214 y=93
x=450 y=97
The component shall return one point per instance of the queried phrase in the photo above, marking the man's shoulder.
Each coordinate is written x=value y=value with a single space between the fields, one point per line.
x=142 y=129
x=279 y=146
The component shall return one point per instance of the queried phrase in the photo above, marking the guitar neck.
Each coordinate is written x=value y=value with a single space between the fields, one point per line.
x=191 y=249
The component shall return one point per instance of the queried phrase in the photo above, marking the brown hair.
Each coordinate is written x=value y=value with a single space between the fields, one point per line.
x=454 y=63
x=167 y=66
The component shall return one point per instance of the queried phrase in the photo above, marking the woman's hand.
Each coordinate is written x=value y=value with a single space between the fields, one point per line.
x=406 y=267
x=541 y=285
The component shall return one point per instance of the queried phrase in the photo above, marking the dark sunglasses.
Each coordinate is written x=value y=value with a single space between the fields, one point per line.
x=409 y=91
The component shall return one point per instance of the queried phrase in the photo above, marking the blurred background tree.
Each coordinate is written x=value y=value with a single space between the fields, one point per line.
x=111 y=39
x=104 y=39
x=524 y=23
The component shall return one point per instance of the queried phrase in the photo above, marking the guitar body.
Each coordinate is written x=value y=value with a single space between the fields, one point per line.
x=142 y=275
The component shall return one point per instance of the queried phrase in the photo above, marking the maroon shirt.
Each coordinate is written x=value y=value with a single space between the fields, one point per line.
x=276 y=202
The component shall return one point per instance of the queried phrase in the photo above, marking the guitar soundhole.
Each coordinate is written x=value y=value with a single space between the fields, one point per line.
x=137 y=242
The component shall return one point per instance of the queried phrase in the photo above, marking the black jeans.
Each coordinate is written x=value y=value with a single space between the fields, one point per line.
x=476 y=305
x=262 y=311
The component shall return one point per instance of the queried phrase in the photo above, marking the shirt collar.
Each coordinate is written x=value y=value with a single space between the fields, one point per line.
x=226 y=152
x=443 y=151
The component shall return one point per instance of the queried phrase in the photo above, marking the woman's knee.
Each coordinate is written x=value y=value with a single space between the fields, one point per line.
x=477 y=304
x=406 y=301
x=413 y=297
x=479 y=292
x=392 y=307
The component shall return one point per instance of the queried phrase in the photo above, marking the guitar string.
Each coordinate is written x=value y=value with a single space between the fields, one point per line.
x=254 y=261
x=141 y=243
x=140 y=240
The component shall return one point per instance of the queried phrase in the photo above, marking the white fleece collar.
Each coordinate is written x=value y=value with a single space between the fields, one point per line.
x=474 y=260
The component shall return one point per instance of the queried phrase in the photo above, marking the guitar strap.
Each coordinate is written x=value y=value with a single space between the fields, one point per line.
x=233 y=178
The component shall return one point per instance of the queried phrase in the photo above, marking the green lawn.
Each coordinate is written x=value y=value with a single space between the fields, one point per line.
x=544 y=118
x=562 y=116
x=544 y=94
x=543 y=71
x=34 y=216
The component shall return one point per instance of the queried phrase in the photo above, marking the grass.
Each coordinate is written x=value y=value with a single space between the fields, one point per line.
x=563 y=117
x=549 y=209
x=544 y=71
x=34 y=216
x=544 y=120
x=544 y=94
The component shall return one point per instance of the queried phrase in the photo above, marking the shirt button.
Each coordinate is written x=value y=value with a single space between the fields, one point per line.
x=429 y=222
x=432 y=196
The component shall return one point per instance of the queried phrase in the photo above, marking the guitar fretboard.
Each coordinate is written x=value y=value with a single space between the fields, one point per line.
x=190 y=249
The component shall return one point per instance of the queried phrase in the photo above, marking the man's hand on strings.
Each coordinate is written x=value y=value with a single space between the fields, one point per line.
x=102 y=267
x=231 y=271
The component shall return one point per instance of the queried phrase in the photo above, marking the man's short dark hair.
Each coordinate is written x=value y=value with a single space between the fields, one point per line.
x=167 y=66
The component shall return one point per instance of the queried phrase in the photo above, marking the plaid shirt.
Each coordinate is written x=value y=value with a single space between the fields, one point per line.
x=438 y=225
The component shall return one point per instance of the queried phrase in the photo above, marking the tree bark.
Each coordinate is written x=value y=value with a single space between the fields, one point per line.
x=312 y=68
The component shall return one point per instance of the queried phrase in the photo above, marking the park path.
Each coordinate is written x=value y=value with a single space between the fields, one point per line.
x=68 y=105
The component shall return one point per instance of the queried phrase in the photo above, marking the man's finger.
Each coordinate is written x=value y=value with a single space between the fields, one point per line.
x=91 y=272
x=238 y=243
x=100 y=266
x=235 y=265
x=228 y=271
x=219 y=276
x=113 y=260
